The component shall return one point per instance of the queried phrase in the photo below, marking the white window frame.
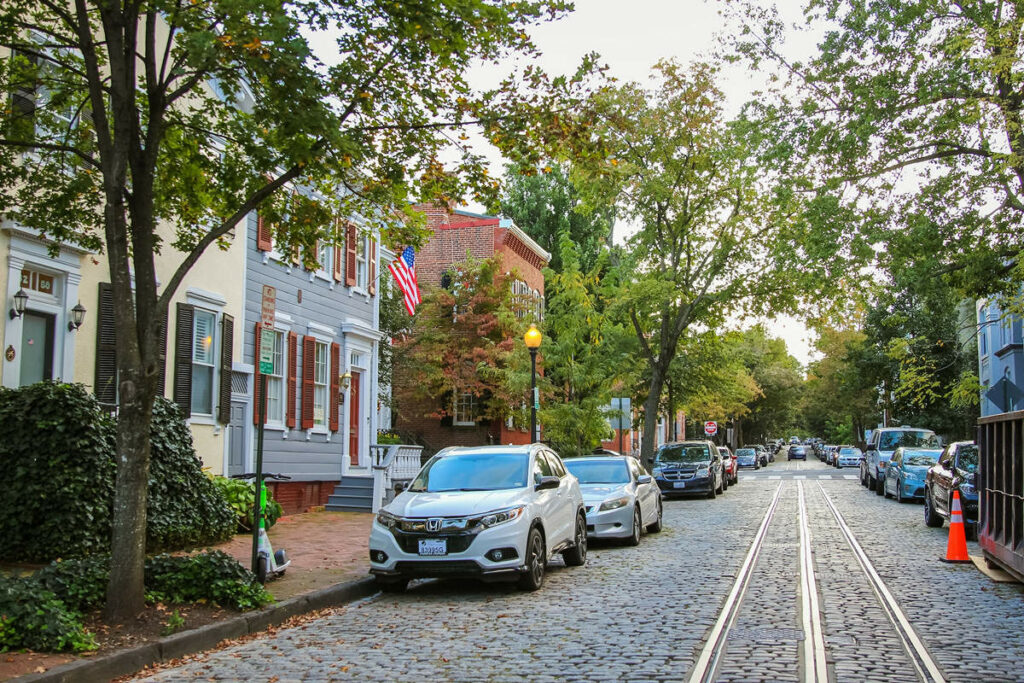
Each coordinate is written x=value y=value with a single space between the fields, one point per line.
x=363 y=260
x=464 y=403
x=279 y=377
x=214 y=347
x=321 y=384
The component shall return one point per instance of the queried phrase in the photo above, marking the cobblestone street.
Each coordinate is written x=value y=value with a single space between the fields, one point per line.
x=646 y=613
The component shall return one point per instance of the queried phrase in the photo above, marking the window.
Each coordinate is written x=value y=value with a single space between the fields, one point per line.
x=465 y=405
x=983 y=343
x=204 y=329
x=325 y=257
x=320 y=381
x=361 y=268
x=542 y=468
x=275 y=382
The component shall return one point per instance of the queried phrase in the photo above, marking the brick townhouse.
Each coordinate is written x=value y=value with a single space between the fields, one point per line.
x=456 y=234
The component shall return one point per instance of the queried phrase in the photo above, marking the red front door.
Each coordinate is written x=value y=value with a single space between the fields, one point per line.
x=353 y=419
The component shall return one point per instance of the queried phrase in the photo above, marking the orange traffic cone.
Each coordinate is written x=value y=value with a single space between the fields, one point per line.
x=956 y=550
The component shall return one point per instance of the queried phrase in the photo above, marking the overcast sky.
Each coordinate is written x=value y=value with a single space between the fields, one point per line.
x=631 y=37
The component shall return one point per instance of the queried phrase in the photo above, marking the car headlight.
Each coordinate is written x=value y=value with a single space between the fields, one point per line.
x=386 y=519
x=702 y=472
x=497 y=517
x=614 y=504
x=657 y=472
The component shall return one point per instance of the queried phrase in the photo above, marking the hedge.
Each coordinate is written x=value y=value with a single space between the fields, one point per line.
x=58 y=456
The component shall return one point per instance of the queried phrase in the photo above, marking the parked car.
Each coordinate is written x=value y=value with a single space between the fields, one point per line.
x=956 y=470
x=883 y=444
x=748 y=457
x=729 y=467
x=849 y=456
x=764 y=454
x=904 y=477
x=489 y=512
x=620 y=498
x=797 y=453
x=689 y=467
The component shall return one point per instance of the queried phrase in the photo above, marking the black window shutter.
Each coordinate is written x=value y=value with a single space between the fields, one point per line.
x=161 y=379
x=227 y=341
x=106 y=349
x=183 y=358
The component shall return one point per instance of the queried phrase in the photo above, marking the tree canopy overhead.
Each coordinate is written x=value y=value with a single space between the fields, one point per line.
x=908 y=124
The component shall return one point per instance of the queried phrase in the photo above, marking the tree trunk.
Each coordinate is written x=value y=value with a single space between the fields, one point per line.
x=126 y=590
x=651 y=416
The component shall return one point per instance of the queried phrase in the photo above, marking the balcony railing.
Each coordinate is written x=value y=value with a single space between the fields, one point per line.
x=393 y=465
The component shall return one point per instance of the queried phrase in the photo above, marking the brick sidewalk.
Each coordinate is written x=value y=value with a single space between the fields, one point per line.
x=325 y=548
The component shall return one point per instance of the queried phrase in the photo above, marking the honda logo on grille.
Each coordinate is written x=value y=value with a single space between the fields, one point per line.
x=434 y=524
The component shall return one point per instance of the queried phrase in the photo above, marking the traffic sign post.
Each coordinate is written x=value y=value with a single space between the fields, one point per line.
x=710 y=428
x=268 y=319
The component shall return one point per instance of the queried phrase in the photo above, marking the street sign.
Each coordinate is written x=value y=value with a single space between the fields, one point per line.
x=710 y=428
x=268 y=311
x=267 y=339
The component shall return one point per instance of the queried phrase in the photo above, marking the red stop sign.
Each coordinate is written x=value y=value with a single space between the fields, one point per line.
x=710 y=428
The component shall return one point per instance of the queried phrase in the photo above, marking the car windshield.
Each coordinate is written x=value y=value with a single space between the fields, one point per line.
x=682 y=454
x=967 y=458
x=890 y=441
x=473 y=472
x=599 y=471
x=745 y=452
x=921 y=458
x=849 y=451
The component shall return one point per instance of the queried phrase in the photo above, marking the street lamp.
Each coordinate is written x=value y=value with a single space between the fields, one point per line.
x=20 y=300
x=533 y=339
x=77 y=317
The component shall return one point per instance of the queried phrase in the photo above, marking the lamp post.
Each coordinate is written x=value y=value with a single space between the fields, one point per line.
x=533 y=339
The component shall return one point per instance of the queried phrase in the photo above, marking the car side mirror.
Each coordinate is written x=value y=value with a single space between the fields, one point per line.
x=547 y=483
x=644 y=479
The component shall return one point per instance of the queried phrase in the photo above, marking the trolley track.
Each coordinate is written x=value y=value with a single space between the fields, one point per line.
x=814 y=663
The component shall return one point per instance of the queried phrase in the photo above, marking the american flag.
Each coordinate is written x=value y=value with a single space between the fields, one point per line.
x=404 y=270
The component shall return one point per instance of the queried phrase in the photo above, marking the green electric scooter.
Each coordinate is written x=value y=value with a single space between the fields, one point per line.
x=269 y=564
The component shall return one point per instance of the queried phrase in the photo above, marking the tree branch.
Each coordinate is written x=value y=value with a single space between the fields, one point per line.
x=52 y=146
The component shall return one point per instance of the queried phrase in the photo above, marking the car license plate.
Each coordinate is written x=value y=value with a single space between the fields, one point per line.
x=679 y=484
x=433 y=546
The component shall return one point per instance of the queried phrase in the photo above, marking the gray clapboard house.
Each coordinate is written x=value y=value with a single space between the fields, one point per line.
x=322 y=394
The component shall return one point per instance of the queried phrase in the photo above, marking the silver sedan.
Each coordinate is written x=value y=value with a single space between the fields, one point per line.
x=620 y=498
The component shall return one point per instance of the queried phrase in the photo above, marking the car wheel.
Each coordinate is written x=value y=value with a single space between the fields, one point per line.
x=863 y=478
x=655 y=526
x=899 y=492
x=576 y=556
x=634 y=538
x=712 y=492
x=536 y=562
x=880 y=487
x=885 y=491
x=725 y=482
x=391 y=585
x=931 y=517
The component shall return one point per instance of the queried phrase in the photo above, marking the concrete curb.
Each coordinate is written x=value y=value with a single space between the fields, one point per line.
x=131 y=660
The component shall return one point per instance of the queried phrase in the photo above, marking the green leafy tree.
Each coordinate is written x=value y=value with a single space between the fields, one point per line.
x=907 y=125
x=709 y=243
x=545 y=204
x=153 y=127
x=839 y=401
x=584 y=353
x=780 y=385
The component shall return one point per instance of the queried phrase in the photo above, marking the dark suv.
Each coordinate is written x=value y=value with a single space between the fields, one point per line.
x=797 y=453
x=956 y=470
x=689 y=467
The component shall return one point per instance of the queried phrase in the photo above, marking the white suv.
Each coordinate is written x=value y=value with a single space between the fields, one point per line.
x=492 y=513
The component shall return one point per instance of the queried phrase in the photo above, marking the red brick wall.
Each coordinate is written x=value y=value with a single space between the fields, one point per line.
x=297 y=497
x=446 y=247
x=411 y=418
x=514 y=436
x=613 y=444
x=511 y=256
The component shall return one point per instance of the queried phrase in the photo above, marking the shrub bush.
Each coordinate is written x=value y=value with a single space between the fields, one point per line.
x=58 y=483
x=184 y=508
x=44 y=611
x=58 y=456
x=239 y=494
x=35 y=618
x=212 y=576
